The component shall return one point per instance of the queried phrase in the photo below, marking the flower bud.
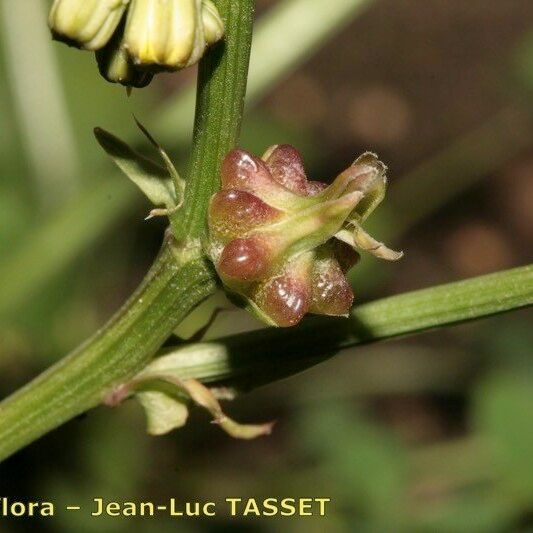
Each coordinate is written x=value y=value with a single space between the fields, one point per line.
x=332 y=294
x=87 y=24
x=234 y=212
x=170 y=34
x=213 y=25
x=246 y=259
x=286 y=297
x=244 y=171
x=286 y=167
x=284 y=243
x=116 y=66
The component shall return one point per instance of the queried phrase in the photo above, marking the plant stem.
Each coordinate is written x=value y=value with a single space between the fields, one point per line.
x=179 y=279
x=218 y=116
x=252 y=359
x=115 y=353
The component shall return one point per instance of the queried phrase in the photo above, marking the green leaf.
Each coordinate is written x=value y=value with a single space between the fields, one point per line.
x=164 y=413
x=179 y=184
x=153 y=180
x=172 y=363
x=247 y=360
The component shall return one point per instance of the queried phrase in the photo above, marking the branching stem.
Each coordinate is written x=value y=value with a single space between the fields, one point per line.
x=179 y=279
x=222 y=81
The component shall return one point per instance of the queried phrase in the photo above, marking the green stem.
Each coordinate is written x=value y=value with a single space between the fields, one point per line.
x=122 y=348
x=179 y=279
x=222 y=80
x=252 y=359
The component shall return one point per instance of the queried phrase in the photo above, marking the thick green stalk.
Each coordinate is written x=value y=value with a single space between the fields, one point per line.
x=252 y=359
x=179 y=279
x=115 y=353
x=218 y=118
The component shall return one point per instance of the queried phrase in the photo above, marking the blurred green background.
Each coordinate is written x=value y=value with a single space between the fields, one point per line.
x=433 y=433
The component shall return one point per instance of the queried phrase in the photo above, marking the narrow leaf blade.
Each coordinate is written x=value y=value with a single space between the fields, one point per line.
x=150 y=177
